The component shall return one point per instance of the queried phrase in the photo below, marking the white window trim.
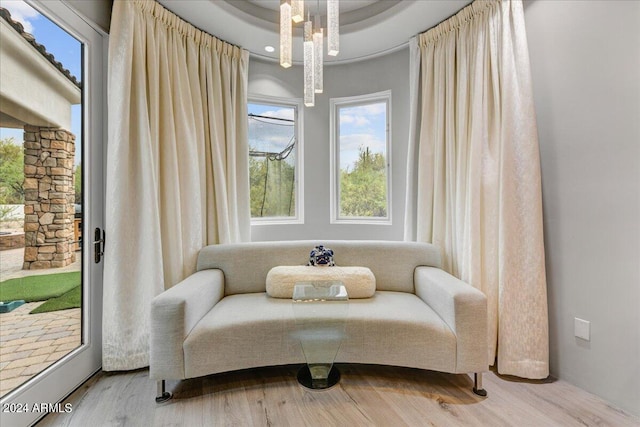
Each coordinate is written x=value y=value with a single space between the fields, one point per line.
x=298 y=218
x=335 y=105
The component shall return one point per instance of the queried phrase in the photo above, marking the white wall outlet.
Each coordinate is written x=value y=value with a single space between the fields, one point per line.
x=582 y=329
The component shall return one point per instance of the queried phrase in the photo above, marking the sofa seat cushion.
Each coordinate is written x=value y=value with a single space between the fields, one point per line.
x=359 y=281
x=251 y=330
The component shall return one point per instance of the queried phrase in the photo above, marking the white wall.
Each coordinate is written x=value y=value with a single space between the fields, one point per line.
x=585 y=62
x=585 y=59
x=374 y=75
x=97 y=12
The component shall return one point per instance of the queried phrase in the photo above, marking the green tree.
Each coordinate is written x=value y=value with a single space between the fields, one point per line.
x=272 y=184
x=11 y=172
x=77 y=176
x=363 y=190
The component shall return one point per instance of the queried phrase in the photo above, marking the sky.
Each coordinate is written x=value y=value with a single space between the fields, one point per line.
x=275 y=135
x=360 y=126
x=65 y=48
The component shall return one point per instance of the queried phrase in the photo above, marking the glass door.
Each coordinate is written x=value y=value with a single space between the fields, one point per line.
x=52 y=93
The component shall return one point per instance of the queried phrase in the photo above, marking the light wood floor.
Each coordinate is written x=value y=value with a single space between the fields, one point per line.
x=365 y=396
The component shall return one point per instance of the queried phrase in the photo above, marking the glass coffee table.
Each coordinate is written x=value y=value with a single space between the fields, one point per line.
x=320 y=309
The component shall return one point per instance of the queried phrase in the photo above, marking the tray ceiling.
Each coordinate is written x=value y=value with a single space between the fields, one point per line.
x=368 y=28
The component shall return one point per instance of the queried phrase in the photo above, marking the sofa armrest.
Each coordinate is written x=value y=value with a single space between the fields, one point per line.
x=464 y=310
x=174 y=313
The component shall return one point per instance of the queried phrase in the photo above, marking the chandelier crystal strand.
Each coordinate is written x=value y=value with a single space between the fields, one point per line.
x=309 y=85
x=285 y=33
x=297 y=10
x=333 y=26
x=318 y=40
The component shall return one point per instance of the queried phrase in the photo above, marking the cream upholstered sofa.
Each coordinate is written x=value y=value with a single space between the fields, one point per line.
x=221 y=318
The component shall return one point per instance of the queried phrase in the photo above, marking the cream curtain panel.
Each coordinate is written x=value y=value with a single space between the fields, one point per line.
x=475 y=168
x=177 y=164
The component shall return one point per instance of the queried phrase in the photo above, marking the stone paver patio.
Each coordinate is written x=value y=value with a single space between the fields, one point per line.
x=11 y=265
x=29 y=343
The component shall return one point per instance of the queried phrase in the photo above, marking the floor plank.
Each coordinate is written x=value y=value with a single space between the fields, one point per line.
x=366 y=396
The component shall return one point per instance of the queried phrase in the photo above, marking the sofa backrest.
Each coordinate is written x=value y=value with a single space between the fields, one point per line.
x=245 y=265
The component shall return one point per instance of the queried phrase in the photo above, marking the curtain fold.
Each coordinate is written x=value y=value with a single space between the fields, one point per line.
x=478 y=182
x=177 y=164
x=413 y=143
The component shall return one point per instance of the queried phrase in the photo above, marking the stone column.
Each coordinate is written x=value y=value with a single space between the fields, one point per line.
x=49 y=196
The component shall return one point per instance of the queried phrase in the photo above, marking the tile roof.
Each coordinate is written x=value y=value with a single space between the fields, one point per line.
x=4 y=13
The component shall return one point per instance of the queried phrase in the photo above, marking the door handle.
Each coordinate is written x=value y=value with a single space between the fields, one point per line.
x=99 y=238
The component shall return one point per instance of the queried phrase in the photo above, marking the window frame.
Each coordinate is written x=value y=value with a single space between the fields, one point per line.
x=69 y=372
x=297 y=105
x=336 y=104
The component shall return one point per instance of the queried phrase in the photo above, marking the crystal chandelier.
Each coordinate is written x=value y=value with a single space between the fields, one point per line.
x=292 y=11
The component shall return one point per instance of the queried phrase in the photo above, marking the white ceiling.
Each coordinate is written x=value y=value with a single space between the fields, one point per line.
x=367 y=27
x=310 y=5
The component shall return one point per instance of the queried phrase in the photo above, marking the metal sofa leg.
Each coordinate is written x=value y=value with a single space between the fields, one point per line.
x=162 y=395
x=477 y=384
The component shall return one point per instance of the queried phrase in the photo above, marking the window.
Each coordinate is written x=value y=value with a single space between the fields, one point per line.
x=360 y=159
x=275 y=152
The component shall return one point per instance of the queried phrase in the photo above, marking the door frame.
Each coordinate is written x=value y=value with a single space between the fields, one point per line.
x=60 y=379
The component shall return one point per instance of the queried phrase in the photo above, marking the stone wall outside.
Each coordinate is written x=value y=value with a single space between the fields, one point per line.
x=49 y=195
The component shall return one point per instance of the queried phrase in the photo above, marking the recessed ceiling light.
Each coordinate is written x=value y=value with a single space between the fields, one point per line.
x=269 y=49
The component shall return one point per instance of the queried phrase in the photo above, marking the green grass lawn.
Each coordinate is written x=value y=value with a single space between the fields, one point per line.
x=71 y=299
x=39 y=288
